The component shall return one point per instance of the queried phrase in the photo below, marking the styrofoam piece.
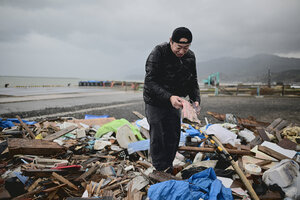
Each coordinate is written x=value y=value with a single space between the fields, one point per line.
x=252 y=168
x=100 y=144
x=125 y=136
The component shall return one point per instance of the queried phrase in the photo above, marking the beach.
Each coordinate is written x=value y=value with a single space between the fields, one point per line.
x=119 y=103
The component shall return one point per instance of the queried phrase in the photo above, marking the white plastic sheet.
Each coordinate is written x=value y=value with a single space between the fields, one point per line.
x=225 y=136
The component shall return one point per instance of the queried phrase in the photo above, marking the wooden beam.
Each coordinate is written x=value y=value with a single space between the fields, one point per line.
x=114 y=186
x=26 y=127
x=54 y=188
x=92 y=170
x=272 y=153
x=263 y=163
x=162 y=176
x=287 y=144
x=139 y=115
x=62 y=179
x=33 y=147
x=206 y=149
x=263 y=134
x=59 y=133
x=272 y=126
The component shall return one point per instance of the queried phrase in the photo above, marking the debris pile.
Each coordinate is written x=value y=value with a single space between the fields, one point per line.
x=108 y=158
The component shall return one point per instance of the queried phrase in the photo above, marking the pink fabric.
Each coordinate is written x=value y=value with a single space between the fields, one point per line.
x=188 y=112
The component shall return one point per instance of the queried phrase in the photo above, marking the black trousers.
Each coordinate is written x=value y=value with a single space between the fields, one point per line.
x=164 y=135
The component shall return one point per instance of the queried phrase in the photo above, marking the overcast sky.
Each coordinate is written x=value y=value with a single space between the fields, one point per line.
x=109 y=39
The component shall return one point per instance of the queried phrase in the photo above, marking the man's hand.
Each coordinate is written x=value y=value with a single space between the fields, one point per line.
x=176 y=102
x=196 y=107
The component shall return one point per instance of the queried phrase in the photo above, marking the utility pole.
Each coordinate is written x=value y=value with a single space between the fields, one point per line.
x=269 y=78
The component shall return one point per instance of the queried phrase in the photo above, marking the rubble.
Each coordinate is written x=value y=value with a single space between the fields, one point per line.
x=108 y=158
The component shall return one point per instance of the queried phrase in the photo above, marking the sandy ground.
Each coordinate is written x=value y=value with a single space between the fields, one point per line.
x=264 y=109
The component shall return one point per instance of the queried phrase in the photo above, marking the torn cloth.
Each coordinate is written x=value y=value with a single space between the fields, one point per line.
x=188 y=112
x=203 y=185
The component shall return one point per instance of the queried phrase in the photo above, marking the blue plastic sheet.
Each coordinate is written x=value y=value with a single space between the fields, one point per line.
x=194 y=132
x=203 y=185
x=138 y=146
x=9 y=122
x=95 y=116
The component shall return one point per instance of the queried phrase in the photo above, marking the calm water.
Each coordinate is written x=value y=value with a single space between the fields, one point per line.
x=19 y=81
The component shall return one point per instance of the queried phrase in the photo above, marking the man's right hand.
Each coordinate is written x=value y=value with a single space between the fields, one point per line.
x=176 y=102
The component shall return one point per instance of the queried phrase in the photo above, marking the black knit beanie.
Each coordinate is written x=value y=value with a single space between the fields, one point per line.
x=182 y=32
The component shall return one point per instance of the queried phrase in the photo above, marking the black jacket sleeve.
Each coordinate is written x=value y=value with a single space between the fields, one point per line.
x=194 y=92
x=153 y=74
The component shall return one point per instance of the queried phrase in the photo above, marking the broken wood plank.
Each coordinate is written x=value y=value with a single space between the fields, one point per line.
x=54 y=188
x=99 y=186
x=256 y=141
x=34 y=185
x=92 y=170
x=33 y=147
x=62 y=179
x=278 y=136
x=281 y=125
x=242 y=121
x=287 y=144
x=162 y=176
x=90 y=160
x=272 y=126
x=145 y=132
x=26 y=127
x=129 y=193
x=208 y=149
x=114 y=186
x=263 y=163
x=59 y=133
x=137 y=195
x=92 y=122
x=272 y=153
x=144 y=163
x=139 y=115
x=263 y=134
x=52 y=195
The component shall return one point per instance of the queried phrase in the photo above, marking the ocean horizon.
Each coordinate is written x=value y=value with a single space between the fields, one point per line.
x=34 y=81
x=43 y=81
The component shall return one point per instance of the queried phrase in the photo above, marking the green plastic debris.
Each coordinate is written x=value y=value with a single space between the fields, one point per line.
x=114 y=125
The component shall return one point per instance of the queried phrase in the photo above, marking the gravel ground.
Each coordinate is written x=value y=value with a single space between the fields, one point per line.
x=264 y=109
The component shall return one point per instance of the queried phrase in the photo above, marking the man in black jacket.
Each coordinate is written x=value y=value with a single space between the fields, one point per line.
x=170 y=75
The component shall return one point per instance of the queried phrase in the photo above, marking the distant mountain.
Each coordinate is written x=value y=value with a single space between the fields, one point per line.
x=252 y=69
x=288 y=76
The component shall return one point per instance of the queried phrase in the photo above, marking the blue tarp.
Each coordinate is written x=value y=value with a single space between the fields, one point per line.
x=95 y=116
x=9 y=122
x=194 y=132
x=138 y=146
x=203 y=185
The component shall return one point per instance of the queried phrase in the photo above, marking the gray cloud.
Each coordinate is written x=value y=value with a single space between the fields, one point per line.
x=112 y=39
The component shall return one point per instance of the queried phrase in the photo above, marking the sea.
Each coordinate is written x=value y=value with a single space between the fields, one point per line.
x=27 y=81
